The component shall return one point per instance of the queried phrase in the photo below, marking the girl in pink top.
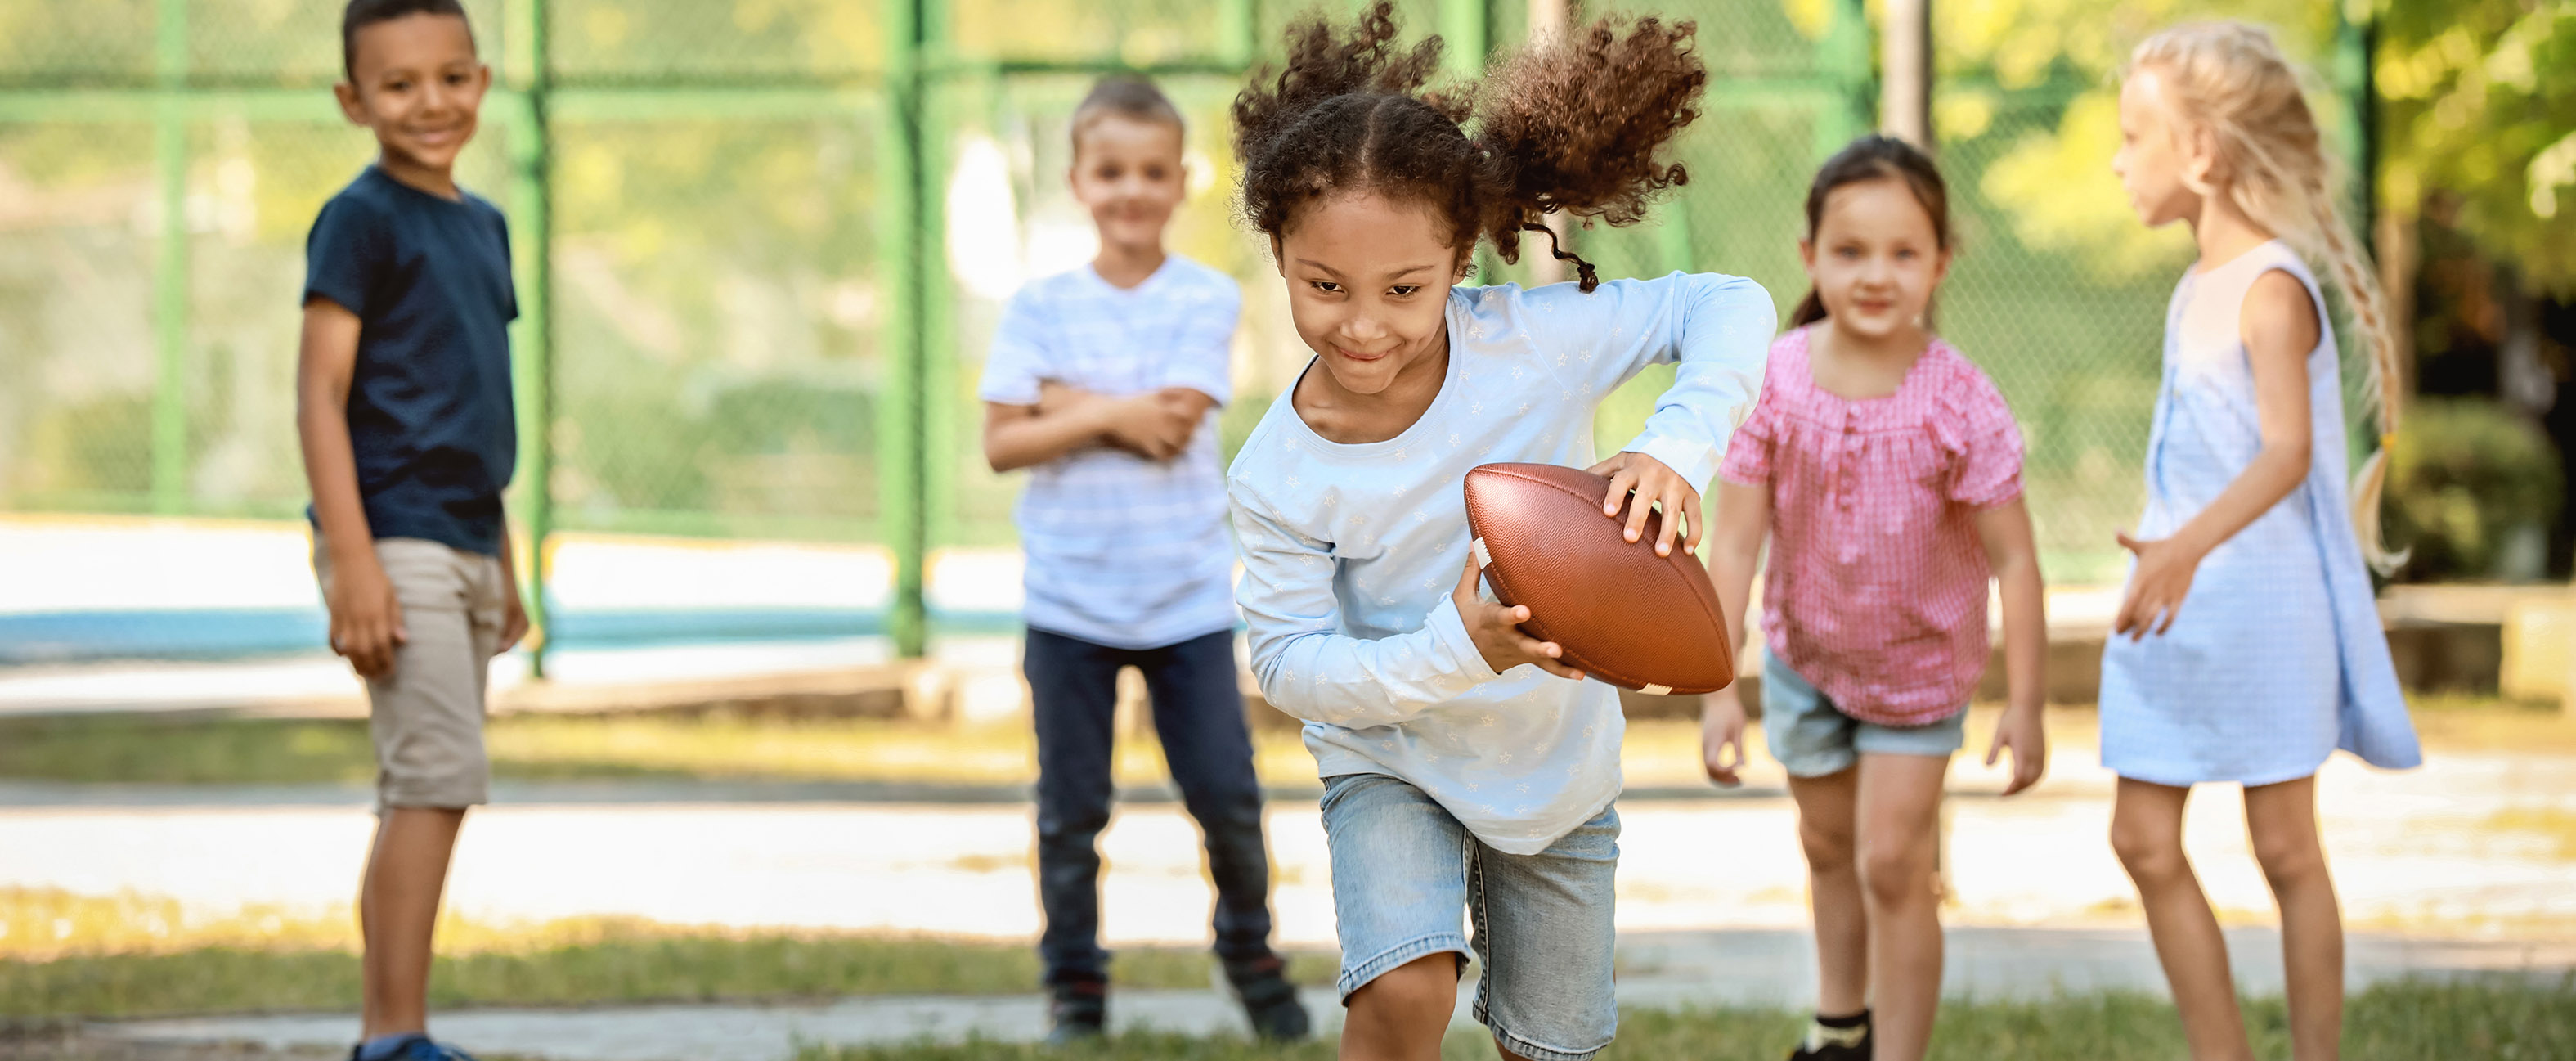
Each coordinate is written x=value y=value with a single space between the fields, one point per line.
x=1887 y=472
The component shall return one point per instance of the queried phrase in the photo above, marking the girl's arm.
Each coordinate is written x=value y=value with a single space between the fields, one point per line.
x=2279 y=326
x=1308 y=668
x=1734 y=550
x=2005 y=532
x=1718 y=329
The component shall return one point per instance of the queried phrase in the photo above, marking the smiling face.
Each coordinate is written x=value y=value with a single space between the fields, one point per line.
x=1368 y=286
x=1128 y=173
x=2157 y=161
x=415 y=80
x=1875 y=258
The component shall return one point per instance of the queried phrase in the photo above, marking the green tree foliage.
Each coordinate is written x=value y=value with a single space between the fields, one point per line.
x=2478 y=101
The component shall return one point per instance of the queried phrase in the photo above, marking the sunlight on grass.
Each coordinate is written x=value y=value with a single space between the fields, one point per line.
x=65 y=955
x=2551 y=822
x=2497 y=1020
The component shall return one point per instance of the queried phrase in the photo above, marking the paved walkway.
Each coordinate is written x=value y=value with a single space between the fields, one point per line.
x=1660 y=970
x=2460 y=845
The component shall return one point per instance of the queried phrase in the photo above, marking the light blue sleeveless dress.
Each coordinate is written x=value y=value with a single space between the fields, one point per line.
x=2276 y=657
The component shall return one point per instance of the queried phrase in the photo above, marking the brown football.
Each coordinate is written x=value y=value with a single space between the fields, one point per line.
x=1621 y=613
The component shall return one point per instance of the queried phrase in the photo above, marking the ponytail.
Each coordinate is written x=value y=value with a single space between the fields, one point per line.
x=1569 y=126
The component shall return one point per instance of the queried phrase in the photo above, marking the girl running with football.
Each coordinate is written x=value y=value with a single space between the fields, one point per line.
x=1466 y=768
x=1886 y=472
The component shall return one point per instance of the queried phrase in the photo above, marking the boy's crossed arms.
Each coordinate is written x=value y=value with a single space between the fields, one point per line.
x=1155 y=424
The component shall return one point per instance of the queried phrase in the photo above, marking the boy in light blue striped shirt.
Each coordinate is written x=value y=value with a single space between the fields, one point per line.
x=1104 y=382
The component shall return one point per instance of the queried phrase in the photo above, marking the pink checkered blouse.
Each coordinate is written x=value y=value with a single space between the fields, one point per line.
x=1876 y=586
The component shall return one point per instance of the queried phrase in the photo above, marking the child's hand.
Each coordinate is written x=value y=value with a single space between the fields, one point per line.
x=1497 y=633
x=2026 y=735
x=514 y=620
x=1653 y=483
x=1156 y=425
x=1721 y=727
x=2156 y=588
x=366 y=619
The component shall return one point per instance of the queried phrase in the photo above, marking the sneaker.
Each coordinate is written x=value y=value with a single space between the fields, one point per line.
x=1077 y=1011
x=417 y=1048
x=1858 y=1052
x=1269 y=1000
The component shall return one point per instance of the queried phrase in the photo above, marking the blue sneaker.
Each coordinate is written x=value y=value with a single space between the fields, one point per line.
x=414 y=1048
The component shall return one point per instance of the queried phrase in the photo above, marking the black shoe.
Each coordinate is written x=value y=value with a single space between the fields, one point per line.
x=1077 y=1012
x=1835 y=1053
x=1269 y=1000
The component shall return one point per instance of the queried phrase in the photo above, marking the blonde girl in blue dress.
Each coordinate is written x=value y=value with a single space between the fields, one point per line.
x=2248 y=647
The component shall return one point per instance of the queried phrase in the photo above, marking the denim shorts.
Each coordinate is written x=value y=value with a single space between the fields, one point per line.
x=1812 y=738
x=1404 y=871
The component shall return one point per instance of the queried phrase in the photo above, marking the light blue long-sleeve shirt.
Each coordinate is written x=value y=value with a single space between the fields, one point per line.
x=1351 y=551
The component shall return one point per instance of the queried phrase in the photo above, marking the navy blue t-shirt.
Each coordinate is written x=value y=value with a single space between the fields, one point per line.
x=430 y=414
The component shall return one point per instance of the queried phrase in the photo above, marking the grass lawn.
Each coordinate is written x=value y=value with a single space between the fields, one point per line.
x=64 y=958
x=201 y=751
x=2494 y=1021
x=135 y=957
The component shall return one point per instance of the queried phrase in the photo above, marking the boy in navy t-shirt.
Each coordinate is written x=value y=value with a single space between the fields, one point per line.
x=403 y=405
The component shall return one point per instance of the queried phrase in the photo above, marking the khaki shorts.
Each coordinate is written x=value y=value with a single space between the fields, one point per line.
x=427 y=716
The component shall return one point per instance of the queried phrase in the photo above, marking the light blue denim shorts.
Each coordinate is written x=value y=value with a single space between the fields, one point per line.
x=1812 y=738
x=1404 y=871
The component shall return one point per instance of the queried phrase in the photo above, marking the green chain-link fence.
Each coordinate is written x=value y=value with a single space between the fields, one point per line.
x=761 y=243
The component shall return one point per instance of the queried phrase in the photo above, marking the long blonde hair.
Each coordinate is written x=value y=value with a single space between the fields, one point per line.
x=2230 y=79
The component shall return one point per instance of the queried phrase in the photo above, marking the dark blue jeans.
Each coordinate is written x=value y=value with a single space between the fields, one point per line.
x=1198 y=712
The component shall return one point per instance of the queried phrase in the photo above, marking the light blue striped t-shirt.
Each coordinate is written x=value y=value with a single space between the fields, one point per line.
x=1123 y=551
x=1351 y=551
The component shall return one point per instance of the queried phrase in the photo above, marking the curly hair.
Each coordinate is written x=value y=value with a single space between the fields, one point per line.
x=1569 y=126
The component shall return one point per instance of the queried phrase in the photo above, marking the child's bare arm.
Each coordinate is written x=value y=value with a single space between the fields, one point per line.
x=1735 y=537
x=1154 y=425
x=2005 y=532
x=514 y=617
x=1017 y=436
x=2279 y=326
x=1734 y=543
x=366 y=620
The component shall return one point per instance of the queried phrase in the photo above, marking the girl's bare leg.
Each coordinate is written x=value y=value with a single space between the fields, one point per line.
x=2146 y=831
x=1401 y=1015
x=2282 y=820
x=1826 y=824
x=1899 y=859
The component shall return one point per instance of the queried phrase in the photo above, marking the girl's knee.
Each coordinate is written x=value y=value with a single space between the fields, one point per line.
x=2289 y=861
x=2150 y=855
x=1900 y=872
x=1828 y=845
x=1424 y=986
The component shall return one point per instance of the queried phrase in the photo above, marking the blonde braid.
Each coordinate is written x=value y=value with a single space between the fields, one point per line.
x=2369 y=307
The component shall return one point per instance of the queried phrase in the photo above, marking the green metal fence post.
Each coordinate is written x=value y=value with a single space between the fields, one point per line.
x=532 y=263
x=1842 y=57
x=2356 y=37
x=900 y=457
x=1465 y=33
x=170 y=275
x=1463 y=28
x=1238 y=33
